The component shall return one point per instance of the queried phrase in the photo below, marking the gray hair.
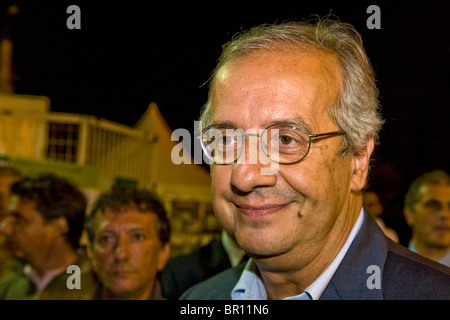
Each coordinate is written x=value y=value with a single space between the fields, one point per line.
x=357 y=109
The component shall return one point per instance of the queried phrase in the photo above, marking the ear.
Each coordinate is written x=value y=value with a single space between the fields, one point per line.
x=163 y=256
x=409 y=216
x=89 y=247
x=361 y=166
x=60 y=224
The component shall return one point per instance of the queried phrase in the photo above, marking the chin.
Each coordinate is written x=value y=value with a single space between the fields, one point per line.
x=259 y=249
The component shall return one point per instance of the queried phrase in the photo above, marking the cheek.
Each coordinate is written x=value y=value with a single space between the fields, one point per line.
x=147 y=260
x=102 y=256
x=34 y=236
x=427 y=218
x=220 y=187
x=321 y=182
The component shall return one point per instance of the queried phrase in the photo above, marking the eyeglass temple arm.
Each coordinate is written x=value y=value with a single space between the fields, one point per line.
x=326 y=134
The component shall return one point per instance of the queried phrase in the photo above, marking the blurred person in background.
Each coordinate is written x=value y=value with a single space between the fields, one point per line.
x=374 y=207
x=43 y=230
x=427 y=212
x=129 y=233
x=8 y=176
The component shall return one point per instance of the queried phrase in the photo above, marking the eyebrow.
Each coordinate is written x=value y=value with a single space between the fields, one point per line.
x=230 y=124
x=132 y=229
x=16 y=214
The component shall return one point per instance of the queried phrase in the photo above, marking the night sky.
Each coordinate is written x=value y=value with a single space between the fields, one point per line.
x=126 y=56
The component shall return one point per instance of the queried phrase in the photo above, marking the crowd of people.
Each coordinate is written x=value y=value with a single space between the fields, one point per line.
x=306 y=228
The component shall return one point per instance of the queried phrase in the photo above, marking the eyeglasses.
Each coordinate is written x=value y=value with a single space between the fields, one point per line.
x=285 y=143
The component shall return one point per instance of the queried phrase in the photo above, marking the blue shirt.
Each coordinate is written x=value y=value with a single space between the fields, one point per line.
x=445 y=259
x=251 y=287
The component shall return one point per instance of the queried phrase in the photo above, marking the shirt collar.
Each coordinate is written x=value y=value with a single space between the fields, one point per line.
x=41 y=281
x=251 y=287
x=445 y=259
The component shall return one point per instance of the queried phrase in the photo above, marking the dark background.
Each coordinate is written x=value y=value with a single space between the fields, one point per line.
x=128 y=54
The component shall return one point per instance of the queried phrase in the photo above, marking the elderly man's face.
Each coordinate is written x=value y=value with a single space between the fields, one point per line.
x=301 y=206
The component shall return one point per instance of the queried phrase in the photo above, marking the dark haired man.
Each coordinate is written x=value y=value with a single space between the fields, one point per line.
x=427 y=212
x=43 y=230
x=128 y=233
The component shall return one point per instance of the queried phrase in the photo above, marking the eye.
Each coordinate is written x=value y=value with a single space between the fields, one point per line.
x=433 y=205
x=18 y=220
x=138 y=236
x=291 y=139
x=106 y=238
x=226 y=140
x=219 y=138
x=286 y=140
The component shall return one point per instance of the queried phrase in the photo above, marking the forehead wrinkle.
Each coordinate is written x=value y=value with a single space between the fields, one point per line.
x=236 y=71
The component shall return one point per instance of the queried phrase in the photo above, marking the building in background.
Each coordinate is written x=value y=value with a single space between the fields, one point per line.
x=96 y=153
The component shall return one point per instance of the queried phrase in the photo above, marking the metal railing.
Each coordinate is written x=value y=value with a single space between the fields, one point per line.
x=118 y=151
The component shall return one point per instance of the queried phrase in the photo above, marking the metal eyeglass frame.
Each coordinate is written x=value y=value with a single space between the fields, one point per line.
x=243 y=135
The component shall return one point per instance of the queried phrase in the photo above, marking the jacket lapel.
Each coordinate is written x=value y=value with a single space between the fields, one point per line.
x=359 y=276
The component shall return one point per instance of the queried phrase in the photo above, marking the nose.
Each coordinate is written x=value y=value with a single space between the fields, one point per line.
x=250 y=171
x=122 y=250
x=445 y=212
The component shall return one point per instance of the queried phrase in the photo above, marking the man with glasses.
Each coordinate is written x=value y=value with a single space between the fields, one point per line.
x=303 y=96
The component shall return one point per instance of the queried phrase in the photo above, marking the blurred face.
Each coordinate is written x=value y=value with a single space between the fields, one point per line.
x=5 y=194
x=372 y=204
x=430 y=217
x=127 y=253
x=29 y=236
x=299 y=207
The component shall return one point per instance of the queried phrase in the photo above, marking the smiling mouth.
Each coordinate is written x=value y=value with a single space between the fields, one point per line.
x=260 y=211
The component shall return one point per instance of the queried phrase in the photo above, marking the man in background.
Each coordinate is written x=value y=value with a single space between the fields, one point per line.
x=129 y=234
x=43 y=231
x=8 y=176
x=427 y=212
x=374 y=207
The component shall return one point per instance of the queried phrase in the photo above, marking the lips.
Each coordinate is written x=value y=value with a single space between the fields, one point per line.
x=442 y=228
x=123 y=272
x=260 y=210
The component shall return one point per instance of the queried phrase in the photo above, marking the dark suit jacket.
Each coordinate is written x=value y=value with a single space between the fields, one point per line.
x=184 y=271
x=405 y=275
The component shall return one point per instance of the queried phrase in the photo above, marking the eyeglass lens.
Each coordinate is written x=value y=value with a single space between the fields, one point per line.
x=281 y=143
